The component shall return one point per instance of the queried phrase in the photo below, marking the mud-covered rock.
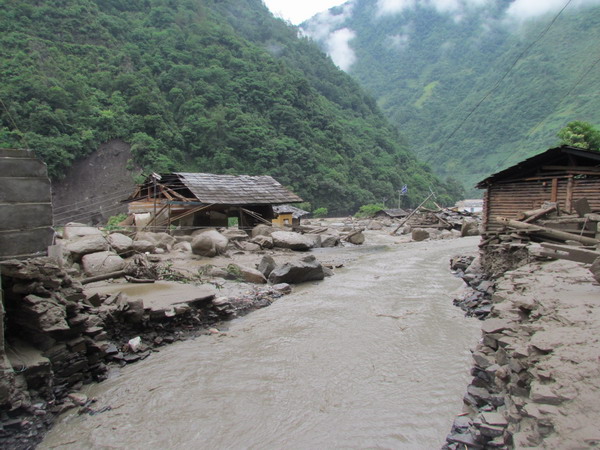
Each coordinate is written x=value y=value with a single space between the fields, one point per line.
x=102 y=263
x=209 y=243
x=291 y=240
x=305 y=269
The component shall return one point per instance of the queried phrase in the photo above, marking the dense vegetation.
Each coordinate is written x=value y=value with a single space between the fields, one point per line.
x=213 y=86
x=429 y=69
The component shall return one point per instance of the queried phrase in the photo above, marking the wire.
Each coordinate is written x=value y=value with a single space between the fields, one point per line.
x=521 y=55
x=571 y=89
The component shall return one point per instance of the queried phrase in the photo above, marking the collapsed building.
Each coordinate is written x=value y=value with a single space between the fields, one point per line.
x=196 y=200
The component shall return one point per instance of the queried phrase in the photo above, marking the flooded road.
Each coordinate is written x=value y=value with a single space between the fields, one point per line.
x=373 y=357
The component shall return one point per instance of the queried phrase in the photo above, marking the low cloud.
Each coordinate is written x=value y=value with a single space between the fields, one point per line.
x=455 y=7
x=399 y=41
x=338 y=47
x=323 y=24
x=528 y=9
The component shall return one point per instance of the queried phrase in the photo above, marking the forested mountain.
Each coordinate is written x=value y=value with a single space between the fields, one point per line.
x=430 y=62
x=212 y=85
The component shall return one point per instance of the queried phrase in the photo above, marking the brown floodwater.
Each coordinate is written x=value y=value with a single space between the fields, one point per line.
x=373 y=357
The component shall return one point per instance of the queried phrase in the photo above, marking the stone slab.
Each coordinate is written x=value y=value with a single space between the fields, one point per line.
x=161 y=295
x=22 y=167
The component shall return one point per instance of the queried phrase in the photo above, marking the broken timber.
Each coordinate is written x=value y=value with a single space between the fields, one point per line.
x=547 y=232
x=569 y=252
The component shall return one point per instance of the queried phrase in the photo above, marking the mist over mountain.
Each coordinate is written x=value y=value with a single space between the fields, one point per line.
x=429 y=63
x=210 y=86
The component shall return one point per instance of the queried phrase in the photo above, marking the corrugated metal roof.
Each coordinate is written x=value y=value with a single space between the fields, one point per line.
x=237 y=189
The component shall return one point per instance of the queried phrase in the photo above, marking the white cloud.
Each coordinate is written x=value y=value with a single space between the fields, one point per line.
x=399 y=41
x=323 y=24
x=528 y=9
x=456 y=7
x=394 y=6
x=338 y=47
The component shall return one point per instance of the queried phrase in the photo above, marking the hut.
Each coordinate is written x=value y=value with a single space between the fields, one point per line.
x=397 y=213
x=197 y=200
x=288 y=215
x=568 y=176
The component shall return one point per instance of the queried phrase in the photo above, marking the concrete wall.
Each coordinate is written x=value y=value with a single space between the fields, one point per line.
x=25 y=205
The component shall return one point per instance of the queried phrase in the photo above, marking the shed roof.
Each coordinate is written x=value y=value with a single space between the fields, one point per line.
x=236 y=189
x=397 y=212
x=289 y=209
x=557 y=157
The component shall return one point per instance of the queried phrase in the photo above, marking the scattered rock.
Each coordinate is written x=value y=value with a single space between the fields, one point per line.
x=209 y=243
x=305 y=269
x=419 y=234
x=266 y=265
x=291 y=240
x=102 y=263
x=120 y=243
x=86 y=244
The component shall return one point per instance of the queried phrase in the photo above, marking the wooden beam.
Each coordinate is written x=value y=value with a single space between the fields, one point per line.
x=569 y=253
x=578 y=168
x=547 y=232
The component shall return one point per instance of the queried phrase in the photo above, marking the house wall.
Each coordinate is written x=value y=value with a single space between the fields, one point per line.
x=25 y=205
x=509 y=199
x=286 y=219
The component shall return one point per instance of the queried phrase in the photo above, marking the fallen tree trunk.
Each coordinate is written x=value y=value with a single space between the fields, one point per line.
x=547 y=232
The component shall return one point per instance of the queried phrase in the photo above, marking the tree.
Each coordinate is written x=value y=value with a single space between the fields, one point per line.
x=580 y=134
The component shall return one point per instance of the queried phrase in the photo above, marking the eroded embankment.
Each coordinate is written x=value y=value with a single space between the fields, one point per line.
x=536 y=370
x=59 y=338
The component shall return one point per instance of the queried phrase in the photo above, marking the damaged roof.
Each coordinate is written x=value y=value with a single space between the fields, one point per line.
x=236 y=189
x=556 y=159
x=289 y=209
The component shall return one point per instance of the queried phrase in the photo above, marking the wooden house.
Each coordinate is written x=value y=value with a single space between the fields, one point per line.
x=288 y=215
x=565 y=175
x=196 y=200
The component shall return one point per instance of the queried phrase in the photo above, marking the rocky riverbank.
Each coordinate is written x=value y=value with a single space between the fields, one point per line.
x=536 y=367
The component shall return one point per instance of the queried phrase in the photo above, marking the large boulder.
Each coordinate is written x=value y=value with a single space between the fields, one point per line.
x=235 y=235
x=356 y=238
x=83 y=245
x=210 y=243
x=419 y=234
x=120 y=243
x=262 y=230
x=305 y=269
x=247 y=274
x=263 y=241
x=469 y=228
x=595 y=269
x=291 y=240
x=329 y=240
x=74 y=230
x=102 y=263
x=315 y=238
x=160 y=240
x=375 y=225
x=266 y=265
x=143 y=246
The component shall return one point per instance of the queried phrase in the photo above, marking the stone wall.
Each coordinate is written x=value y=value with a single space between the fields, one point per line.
x=25 y=205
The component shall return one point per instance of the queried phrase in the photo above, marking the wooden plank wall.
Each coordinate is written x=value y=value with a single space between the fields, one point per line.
x=508 y=199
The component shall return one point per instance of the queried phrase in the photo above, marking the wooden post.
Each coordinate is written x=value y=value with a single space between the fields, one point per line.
x=569 y=199
x=554 y=194
x=411 y=214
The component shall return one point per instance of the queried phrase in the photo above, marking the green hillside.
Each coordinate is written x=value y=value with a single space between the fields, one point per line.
x=428 y=69
x=213 y=86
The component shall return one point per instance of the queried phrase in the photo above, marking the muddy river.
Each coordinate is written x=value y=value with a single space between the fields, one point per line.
x=374 y=357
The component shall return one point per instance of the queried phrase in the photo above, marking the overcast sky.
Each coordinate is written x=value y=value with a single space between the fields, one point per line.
x=297 y=11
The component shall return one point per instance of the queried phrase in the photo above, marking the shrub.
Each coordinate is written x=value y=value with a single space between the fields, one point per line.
x=369 y=210
x=320 y=212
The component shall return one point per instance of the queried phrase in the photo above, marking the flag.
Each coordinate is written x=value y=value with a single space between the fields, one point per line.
x=404 y=189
